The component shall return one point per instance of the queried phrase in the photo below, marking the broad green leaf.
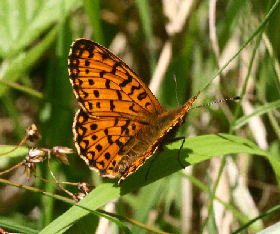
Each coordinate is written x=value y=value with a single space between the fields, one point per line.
x=195 y=150
x=22 y=21
x=4 y=149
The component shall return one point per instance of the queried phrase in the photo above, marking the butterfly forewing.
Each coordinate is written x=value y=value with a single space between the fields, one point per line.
x=105 y=86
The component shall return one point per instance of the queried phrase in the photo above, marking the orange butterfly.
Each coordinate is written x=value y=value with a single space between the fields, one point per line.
x=121 y=123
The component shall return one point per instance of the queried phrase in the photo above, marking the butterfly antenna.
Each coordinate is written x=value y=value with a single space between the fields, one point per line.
x=217 y=101
x=177 y=99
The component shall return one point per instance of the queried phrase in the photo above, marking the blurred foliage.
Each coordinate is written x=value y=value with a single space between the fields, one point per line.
x=35 y=37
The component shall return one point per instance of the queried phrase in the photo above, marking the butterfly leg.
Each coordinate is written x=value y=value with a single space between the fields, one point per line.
x=182 y=164
x=160 y=149
x=181 y=147
x=150 y=165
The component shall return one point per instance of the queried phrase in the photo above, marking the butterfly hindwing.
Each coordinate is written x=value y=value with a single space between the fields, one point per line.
x=99 y=141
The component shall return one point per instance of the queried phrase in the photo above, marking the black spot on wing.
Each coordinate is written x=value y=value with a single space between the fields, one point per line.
x=114 y=68
x=96 y=93
x=90 y=81
x=131 y=108
x=126 y=81
x=119 y=94
x=87 y=63
x=112 y=106
x=124 y=128
x=142 y=96
x=133 y=87
x=107 y=84
x=98 y=147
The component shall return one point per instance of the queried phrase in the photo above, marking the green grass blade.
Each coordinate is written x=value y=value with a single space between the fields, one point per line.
x=257 y=112
x=257 y=31
x=92 y=8
x=145 y=17
x=25 y=60
x=8 y=224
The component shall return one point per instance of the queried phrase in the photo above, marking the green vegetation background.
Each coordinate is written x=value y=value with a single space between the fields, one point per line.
x=35 y=37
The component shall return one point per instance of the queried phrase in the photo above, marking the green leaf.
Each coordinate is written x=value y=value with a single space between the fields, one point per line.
x=12 y=225
x=21 y=151
x=16 y=67
x=195 y=150
x=22 y=21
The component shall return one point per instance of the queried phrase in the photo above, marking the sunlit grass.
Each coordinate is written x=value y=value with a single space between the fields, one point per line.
x=222 y=50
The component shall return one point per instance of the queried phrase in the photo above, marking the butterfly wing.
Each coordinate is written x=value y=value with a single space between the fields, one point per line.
x=105 y=86
x=164 y=123
x=99 y=141
x=115 y=103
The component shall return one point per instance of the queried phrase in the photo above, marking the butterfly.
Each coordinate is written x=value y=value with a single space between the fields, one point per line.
x=120 y=123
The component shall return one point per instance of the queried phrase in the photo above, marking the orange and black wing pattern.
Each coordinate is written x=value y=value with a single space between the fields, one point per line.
x=105 y=86
x=99 y=141
x=120 y=123
x=115 y=105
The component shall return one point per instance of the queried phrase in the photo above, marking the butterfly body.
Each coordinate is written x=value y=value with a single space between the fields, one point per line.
x=120 y=123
